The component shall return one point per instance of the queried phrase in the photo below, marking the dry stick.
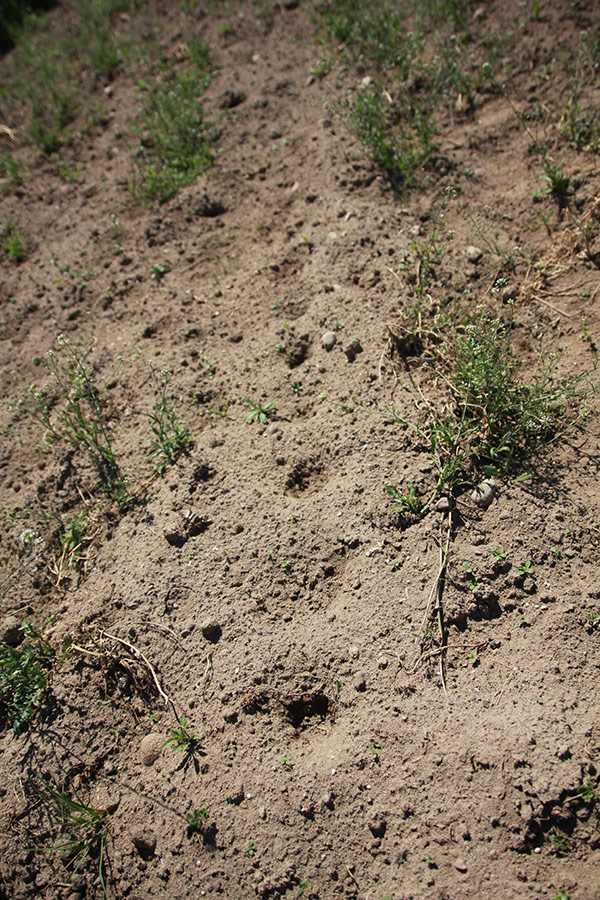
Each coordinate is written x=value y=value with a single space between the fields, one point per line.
x=429 y=653
x=552 y=306
x=146 y=660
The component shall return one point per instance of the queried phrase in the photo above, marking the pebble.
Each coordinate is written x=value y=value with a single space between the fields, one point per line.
x=443 y=505
x=484 y=493
x=354 y=651
x=459 y=864
x=474 y=254
x=150 y=748
x=564 y=752
x=329 y=340
x=212 y=631
x=10 y=631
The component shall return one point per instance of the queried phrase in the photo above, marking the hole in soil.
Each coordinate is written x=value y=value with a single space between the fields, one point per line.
x=306 y=707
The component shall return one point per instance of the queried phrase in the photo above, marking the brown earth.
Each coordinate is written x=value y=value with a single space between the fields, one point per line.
x=262 y=584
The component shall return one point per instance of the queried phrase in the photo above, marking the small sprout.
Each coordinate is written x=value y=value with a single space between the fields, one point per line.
x=526 y=569
x=431 y=863
x=303 y=886
x=285 y=761
x=297 y=387
x=474 y=657
x=470 y=576
x=394 y=564
x=373 y=748
x=250 y=848
x=286 y=564
x=281 y=348
x=500 y=553
x=157 y=271
x=196 y=820
x=594 y=618
x=277 y=304
x=182 y=739
x=587 y=791
x=259 y=412
x=410 y=502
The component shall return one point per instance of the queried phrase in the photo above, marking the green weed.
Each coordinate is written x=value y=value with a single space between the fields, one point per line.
x=12 y=242
x=24 y=674
x=12 y=170
x=250 y=848
x=70 y=407
x=259 y=412
x=410 y=502
x=175 y=137
x=196 y=820
x=182 y=739
x=82 y=828
x=171 y=437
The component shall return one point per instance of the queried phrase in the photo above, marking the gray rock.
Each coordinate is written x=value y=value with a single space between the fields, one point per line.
x=443 y=504
x=474 y=254
x=329 y=340
x=10 y=631
x=459 y=864
x=150 y=748
x=484 y=493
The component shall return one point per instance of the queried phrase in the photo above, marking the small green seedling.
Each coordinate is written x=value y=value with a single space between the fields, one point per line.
x=526 y=568
x=474 y=657
x=303 y=887
x=285 y=761
x=470 y=576
x=500 y=553
x=395 y=564
x=182 y=739
x=410 y=502
x=431 y=863
x=196 y=820
x=594 y=618
x=170 y=436
x=157 y=271
x=259 y=412
x=374 y=746
x=297 y=388
x=250 y=848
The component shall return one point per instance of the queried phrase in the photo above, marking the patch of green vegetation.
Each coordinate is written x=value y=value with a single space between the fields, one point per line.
x=12 y=242
x=259 y=412
x=171 y=437
x=417 y=58
x=175 y=137
x=24 y=674
x=70 y=407
x=182 y=739
x=81 y=829
x=498 y=422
